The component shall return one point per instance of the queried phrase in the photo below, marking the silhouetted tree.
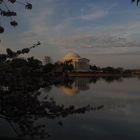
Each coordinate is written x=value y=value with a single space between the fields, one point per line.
x=21 y=107
x=10 y=54
x=34 y=63
x=108 y=69
x=48 y=68
x=136 y=1
x=93 y=68
x=6 y=12
x=68 y=66
x=19 y=63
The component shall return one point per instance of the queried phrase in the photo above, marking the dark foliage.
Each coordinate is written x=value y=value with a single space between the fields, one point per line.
x=10 y=54
x=136 y=1
x=6 y=12
x=20 y=104
x=20 y=87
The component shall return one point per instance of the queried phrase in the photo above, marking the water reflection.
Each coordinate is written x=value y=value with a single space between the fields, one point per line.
x=26 y=108
x=21 y=107
x=74 y=85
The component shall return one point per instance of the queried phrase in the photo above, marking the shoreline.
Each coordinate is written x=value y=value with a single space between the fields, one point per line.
x=89 y=74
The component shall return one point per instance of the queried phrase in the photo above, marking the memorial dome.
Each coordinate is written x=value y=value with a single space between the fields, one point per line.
x=71 y=56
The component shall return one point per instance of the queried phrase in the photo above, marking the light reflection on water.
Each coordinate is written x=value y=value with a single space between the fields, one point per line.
x=119 y=119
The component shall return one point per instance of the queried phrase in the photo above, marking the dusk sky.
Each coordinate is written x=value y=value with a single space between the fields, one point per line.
x=105 y=31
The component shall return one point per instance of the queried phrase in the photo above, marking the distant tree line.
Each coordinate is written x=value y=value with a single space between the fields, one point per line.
x=107 y=69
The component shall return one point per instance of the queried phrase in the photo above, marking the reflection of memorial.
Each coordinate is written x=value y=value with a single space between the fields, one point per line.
x=25 y=106
x=82 y=83
x=69 y=90
x=79 y=84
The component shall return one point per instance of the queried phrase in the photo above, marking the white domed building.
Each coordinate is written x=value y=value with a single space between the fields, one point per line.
x=79 y=64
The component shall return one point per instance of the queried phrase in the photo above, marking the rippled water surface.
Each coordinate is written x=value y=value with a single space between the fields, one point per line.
x=118 y=119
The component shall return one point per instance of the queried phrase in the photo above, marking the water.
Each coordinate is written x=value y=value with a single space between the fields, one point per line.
x=118 y=119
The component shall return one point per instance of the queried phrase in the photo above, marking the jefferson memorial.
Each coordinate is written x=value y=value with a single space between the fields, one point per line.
x=79 y=63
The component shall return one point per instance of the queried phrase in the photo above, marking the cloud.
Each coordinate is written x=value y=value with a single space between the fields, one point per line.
x=96 y=12
x=94 y=15
x=87 y=46
x=82 y=28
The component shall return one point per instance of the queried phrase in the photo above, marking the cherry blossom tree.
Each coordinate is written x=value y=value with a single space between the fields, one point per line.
x=136 y=1
x=5 y=11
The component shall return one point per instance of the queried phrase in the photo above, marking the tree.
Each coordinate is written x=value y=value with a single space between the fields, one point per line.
x=136 y=1
x=6 y=12
x=108 y=69
x=48 y=68
x=21 y=107
x=47 y=60
x=93 y=68
x=68 y=66
x=10 y=54
x=34 y=63
x=18 y=63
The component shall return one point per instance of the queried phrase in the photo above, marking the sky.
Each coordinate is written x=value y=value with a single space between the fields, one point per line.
x=105 y=31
